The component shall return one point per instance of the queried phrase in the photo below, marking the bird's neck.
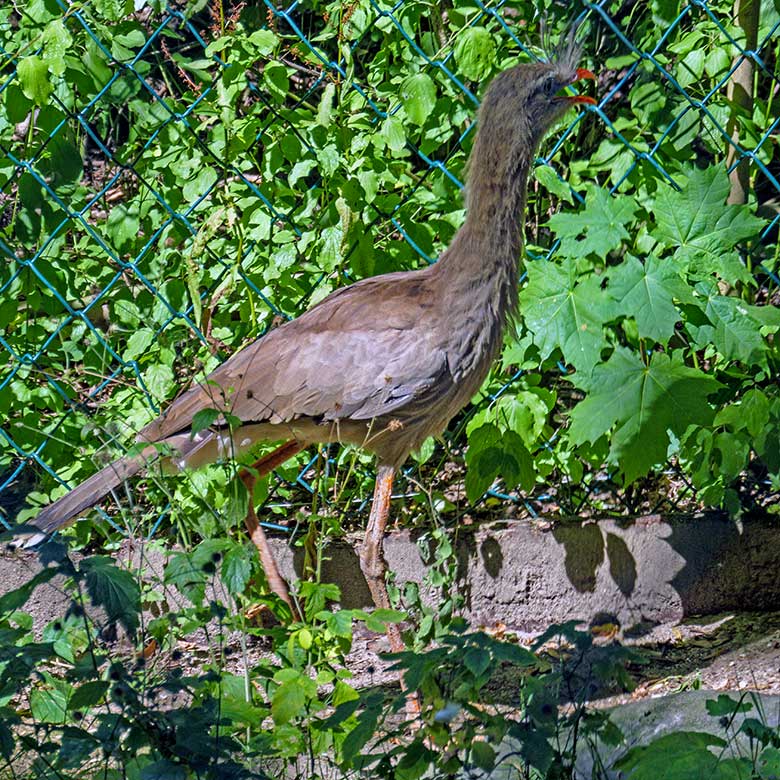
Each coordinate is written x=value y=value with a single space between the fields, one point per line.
x=483 y=258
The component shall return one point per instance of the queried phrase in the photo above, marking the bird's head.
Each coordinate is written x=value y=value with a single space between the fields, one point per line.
x=523 y=102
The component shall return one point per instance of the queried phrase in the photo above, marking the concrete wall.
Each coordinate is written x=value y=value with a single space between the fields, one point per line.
x=527 y=575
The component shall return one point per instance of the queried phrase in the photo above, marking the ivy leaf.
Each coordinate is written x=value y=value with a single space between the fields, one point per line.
x=642 y=403
x=418 y=94
x=597 y=229
x=646 y=292
x=114 y=589
x=33 y=74
x=700 y=228
x=475 y=53
x=562 y=311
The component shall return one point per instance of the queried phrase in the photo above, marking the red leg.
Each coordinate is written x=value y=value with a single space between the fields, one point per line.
x=372 y=559
x=260 y=468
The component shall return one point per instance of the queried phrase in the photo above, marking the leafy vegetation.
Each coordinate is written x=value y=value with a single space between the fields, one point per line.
x=176 y=180
x=190 y=177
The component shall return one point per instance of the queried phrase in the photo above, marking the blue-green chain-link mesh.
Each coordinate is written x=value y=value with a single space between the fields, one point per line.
x=168 y=174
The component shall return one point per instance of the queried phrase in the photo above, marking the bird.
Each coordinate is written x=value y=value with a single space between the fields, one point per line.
x=385 y=362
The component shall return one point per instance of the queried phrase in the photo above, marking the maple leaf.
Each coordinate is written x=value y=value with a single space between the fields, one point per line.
x=701 y=229
x=598 y=228
x=642 y=403
x=562 y=311
x=734 y=328
x=647 y=292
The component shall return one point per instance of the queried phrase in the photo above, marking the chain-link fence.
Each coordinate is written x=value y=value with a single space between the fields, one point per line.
x=176 y=179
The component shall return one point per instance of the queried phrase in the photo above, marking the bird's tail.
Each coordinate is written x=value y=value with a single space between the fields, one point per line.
x=90 y=492
x=85 y=495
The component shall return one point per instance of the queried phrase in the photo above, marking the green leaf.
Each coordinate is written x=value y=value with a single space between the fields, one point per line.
x=263 y=41
x=328 y=159
x=701 y=229
x=647 y=292
x=418 y=95
x=597 y=229
x=159 y=381
x=365 y=729
x=751 y=412
x=330 y=253
x=33 y=74
x=491 y=454
x=679 y=756
x=114 y=589
x=50 y=704
x=288 y=700
x=200 y=184
x=566 y=313
x=483 y=755
x=299 y=170
x=88 y=694
x=393 y=132
x=56 y=43
x=733 y=329
x=642 y=403
x=725 y=705
x=549 y=179
x=523 y=412
x=164 y=770
x=123 y=224
x=477 y=661
x=140 y=340
x=203 y=419
x=325 y=108
x=276 y=80
x=475 y=53
x=237 y=568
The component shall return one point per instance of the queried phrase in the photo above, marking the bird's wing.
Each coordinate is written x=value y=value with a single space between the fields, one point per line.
x=367 y=350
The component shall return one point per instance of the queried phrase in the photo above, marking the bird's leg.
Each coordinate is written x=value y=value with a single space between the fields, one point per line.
x=374 y=568
x=248 y=476
x=372 y=558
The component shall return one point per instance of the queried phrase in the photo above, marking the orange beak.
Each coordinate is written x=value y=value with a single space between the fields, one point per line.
x=583 y=73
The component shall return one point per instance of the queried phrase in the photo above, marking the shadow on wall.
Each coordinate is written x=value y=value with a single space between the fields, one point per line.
x=638 y=573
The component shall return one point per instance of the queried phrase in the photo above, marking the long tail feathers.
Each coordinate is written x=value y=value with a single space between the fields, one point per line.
x=85 y=495
x=90 y=492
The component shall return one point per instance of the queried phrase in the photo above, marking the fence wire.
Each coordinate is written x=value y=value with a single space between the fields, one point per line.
x=129 y=266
